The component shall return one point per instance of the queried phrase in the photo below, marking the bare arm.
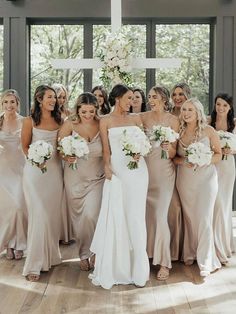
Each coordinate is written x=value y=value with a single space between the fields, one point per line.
x=215 y=145
x=106 y=147
x=64 y=131
x=174 y=124
x=26 y=134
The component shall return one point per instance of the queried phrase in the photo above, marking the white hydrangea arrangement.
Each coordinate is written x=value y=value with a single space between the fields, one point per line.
x=39 y=152
x=116 y=56
x=227 y=140
x=135 y=144
x=198 y=154
x=73 y=146
x=161 y=134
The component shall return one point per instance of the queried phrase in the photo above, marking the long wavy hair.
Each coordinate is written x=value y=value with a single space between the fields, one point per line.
x=105 y=108
x=36 y=112
x=230 y=115
x=165 y=95
x=8 y=92
x=85 y=99
x=201 y=118
x=144 y=101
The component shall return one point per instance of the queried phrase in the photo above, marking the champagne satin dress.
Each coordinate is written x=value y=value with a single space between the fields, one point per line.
x=84 y=193
x=13 y=213
x=198 y=189
x=44 y=198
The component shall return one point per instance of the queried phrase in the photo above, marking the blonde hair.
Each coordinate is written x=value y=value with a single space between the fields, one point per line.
x=201 y=117
x=8 y=92
x=60 y=88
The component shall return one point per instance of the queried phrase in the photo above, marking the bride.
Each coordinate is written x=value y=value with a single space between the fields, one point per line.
x=120 y=238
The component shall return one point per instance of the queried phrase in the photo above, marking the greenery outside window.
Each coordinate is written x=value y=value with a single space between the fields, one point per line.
x=56 y=42
x=190 y=43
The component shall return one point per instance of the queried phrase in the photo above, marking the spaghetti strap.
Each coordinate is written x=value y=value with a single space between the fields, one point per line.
x=32 y=122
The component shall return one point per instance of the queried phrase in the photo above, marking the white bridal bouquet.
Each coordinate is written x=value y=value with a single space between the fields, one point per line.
x=73 y=146
x=116 y=56
x=227 y=140
x=134 y=143
x=39 y=152
x=161 y=134
x=198 y=154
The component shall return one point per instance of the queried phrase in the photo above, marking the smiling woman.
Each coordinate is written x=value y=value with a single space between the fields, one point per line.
x=121 y=223
x=39 y=189
x=13 y=208
x=84 y=187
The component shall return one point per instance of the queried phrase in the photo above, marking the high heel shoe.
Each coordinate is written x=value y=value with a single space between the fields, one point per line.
x=10 y=254
x=204 y=273
x=163 y=273
x=18 y=254
x=84 y=264
x=32 y=277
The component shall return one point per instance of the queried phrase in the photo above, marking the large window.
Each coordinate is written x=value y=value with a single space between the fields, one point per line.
x=190 y=43
x=56 y=42
x=1 y=58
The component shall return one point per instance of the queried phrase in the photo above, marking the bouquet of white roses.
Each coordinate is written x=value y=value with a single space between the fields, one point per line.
x=39 y=152
x=161 y=134
x=134 y=143
x=227 y=140
x=198 y=154
x=73 y=146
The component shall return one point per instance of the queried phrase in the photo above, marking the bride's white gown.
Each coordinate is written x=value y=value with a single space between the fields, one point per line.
x=120 y=238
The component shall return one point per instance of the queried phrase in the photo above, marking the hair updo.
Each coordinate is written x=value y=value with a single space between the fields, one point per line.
x=117 y=91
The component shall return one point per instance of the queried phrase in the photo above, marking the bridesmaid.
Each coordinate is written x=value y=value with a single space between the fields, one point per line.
x=102 y=99
x=43 y=191
x=222 y=118
x=180 y=93
x=139 y=101
x=62 y=98
x=66 y=236
x=161 y=182
x=84 y=186
x=197 y=211
x=13 y=214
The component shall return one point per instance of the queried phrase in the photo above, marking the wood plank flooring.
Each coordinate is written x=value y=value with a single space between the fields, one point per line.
x=65 y=289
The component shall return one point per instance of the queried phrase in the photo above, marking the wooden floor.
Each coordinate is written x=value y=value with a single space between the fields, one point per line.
x=65 y=289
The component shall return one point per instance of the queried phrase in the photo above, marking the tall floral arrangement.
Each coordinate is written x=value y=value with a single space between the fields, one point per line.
x=116 y=55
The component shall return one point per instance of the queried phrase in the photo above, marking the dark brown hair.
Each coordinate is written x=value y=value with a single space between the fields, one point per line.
x=105 y=108
x=117 y=91
x=36 y=112
x=230 y=115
